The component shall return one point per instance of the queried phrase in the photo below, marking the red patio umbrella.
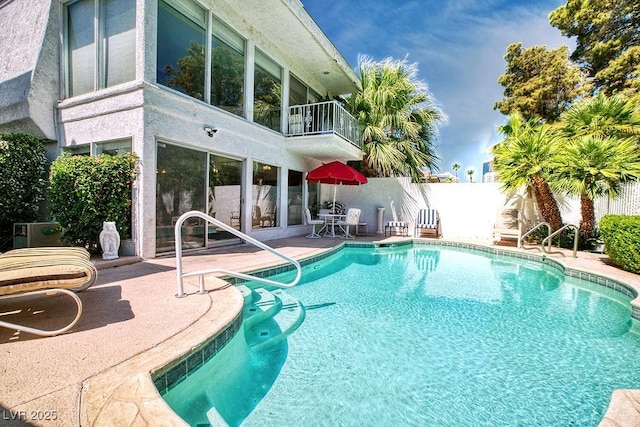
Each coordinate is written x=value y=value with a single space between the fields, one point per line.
x=336 y=173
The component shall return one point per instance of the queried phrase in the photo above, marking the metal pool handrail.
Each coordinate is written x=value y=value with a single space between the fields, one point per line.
x=546 y=224
x=201 y=273
x=551 y=236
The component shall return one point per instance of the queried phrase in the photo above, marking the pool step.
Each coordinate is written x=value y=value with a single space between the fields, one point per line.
x=262 y=330
x=259 y=305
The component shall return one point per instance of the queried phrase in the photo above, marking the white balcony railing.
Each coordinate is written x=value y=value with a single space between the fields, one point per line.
x=324 y=118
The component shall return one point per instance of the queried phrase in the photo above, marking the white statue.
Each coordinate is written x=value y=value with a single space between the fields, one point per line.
x=109 y=240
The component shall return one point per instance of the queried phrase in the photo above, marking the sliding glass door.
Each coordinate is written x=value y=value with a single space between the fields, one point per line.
x=188 y=179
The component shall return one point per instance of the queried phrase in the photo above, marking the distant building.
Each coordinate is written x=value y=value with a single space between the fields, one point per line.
x=488 y=174
x=440 y=177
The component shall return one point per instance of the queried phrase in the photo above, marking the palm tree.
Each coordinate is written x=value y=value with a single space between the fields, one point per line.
x=602 y=116
x=525 y=158
x=600 y=151
x=593 y=166
x=455 y=168
x=470 y=172
x=398 y=118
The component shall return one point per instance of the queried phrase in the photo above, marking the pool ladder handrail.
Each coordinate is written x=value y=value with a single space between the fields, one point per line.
x=552 y=235
x=241 y=235
x=522 y=243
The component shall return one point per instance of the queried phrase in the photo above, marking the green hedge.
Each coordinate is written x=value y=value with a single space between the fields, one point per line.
x=85 y=191
x=621 y=235
x=22 y=181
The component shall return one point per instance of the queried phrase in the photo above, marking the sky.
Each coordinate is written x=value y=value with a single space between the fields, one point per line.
x=459 y=48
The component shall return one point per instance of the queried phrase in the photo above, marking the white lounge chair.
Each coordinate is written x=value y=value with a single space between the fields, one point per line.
x=45 y=272
x=428 y=221
x=307 y=219
x=507 y=226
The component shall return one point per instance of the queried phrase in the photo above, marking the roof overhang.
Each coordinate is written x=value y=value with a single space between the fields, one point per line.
x=286 y=25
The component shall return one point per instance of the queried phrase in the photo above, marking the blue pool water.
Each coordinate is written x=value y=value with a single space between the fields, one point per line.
x=428 y=336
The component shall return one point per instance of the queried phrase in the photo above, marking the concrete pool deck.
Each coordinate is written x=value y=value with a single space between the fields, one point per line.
x=132 y=324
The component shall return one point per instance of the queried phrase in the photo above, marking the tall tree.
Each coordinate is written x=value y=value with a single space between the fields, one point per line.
x=399 y=119
x=600 y=152
x=615 y=116
x=470 y=173
x=455 y=168
x=607 y=40
x=539 y=82
x=594 y=165
x=525 y=158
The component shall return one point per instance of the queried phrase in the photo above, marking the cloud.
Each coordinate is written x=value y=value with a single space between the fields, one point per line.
x=459 y=47
x=461 y=61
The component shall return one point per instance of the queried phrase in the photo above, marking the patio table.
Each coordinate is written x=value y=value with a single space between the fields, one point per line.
x=330 y=222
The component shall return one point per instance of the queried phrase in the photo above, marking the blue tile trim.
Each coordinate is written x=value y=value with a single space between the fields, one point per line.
x=172 y=374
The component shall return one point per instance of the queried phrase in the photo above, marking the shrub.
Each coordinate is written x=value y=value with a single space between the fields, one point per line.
x=85 y=191
x=621 y=235
x=22 y=183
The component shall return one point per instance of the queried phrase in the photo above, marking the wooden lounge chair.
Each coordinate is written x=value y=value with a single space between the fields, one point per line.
x=45 y=272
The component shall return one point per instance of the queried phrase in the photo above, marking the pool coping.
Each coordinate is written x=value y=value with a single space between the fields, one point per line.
x=128 y=394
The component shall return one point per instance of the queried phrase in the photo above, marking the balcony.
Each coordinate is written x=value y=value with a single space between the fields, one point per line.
x=324 y=131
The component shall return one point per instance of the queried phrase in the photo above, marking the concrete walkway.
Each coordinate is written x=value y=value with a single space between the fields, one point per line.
x=132 y=324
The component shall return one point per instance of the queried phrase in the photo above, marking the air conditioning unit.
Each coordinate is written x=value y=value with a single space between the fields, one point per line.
x=36 y=234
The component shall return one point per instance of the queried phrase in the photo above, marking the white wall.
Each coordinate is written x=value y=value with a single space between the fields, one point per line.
x=467 y=210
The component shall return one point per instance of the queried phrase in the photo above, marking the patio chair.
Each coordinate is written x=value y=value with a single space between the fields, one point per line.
x=353 y=218
x=258 y=219
x=308 y=221
x=400 y=227
x=45 y=272
x=507 y=227
x=428 y=221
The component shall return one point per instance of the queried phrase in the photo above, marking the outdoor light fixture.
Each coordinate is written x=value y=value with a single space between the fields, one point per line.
x=210 y=130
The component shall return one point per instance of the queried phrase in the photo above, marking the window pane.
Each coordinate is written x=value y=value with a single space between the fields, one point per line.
x=294 y=213
x=181 y=52
x=81 y=47
x=180 y=187
x=119 y=41
x=313 y=189
x=267 y=92
x=225 y=178
x=78 y=150
x=265 y=195
x=297 y=91
x=227 y=69
x=114 y=148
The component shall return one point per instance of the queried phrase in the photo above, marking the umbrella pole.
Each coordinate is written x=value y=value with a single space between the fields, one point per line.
x=335 y=189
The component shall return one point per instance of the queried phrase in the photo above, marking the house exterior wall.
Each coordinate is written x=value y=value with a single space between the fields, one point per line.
x=29 y=72
x=33 y=87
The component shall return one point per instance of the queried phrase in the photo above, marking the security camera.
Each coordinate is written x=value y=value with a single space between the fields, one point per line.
x=210 y=130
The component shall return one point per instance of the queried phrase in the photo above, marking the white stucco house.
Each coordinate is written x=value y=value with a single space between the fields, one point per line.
x=227 y=103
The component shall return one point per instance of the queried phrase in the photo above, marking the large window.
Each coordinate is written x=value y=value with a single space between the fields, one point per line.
x=227 y=68
x=267 y=92
x=181 y=47
x=183 y=56
x=265 y=195
x=100 y=44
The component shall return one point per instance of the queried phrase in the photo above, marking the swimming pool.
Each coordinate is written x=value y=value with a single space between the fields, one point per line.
x=426 y=335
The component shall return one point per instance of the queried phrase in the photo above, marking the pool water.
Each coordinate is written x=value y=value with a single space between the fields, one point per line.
x=427 y=335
